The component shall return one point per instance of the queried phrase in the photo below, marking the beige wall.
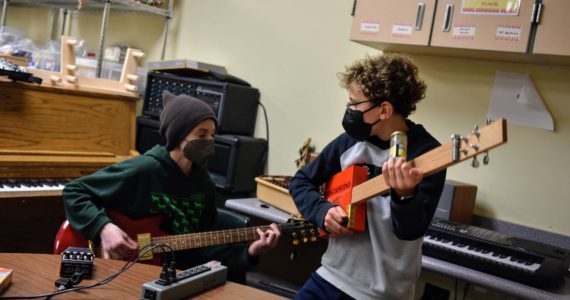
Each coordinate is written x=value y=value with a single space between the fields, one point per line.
x=292 y=50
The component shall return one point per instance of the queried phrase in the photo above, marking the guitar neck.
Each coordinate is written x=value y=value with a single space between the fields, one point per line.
x=439 y=158
x=210 y=238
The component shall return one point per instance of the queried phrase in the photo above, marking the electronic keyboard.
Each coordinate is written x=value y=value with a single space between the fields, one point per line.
x=514 y=258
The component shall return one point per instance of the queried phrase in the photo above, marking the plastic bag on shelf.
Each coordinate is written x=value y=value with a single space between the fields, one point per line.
x=15 y=43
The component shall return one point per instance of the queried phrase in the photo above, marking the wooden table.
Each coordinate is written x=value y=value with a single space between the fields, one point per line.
x=36 y=274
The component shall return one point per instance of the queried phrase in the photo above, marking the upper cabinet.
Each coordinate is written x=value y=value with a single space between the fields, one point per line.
x=552 y=36
x=388 y=21
x=483 y=25
x=515 y=30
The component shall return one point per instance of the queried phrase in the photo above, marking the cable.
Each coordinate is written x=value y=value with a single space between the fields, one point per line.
x=455 y=292
x=134 y=259
x=466 y=289
x=265 y=159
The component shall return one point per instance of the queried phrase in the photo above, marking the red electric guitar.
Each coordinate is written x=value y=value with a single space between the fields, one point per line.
x=146 y=232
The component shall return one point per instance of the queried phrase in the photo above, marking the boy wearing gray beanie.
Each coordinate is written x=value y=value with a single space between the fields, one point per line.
x=171 y=181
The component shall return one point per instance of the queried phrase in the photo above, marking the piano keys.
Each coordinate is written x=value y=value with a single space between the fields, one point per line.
x=31 y=206
x=27 y=173
x=514 y=258
x=31 y=186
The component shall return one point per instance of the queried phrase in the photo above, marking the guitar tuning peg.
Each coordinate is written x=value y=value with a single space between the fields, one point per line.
x=475 y=162
x=476 y=131
x=486 y=158
x=489 y=121
x=475 y=147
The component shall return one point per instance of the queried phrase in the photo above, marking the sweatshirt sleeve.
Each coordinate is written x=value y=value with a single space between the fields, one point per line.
x=411 y=217
x=85 y=197
x=305 y=185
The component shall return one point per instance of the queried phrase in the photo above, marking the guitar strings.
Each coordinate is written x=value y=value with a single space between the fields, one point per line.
x=199 y=236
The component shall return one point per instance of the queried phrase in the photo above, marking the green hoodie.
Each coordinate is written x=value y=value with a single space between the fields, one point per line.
x=147 y=185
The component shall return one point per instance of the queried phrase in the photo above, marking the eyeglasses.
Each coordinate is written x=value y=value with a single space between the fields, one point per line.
x=349 y=104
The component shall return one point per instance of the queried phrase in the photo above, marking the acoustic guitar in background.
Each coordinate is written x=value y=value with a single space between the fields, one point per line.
x=305 y=153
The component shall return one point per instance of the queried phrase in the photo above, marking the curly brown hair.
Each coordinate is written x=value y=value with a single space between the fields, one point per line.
x=389 y=77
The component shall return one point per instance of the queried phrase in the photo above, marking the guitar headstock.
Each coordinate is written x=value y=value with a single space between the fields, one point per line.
x=459 y=149
x=300 y=231
x=304 y=154
x=463 y=147
x=480 y=140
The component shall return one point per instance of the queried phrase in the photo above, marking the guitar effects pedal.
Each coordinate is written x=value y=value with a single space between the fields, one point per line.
x=77 y=260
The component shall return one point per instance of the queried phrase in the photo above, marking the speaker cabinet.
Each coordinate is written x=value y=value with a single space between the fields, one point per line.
x=457 y=202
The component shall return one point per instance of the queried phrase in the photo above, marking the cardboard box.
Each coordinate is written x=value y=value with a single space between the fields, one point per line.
x=273 y=191
x=5 y=278
x=185 y=64
x=339 y=191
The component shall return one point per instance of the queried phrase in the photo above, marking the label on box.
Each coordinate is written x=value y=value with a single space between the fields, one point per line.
x=463 y=31
x=402 y=30
x=368 y=27
x=508 y=32
x=5 y=278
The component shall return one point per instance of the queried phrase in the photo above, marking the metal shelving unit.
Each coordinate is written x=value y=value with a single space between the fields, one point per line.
x=98 y=6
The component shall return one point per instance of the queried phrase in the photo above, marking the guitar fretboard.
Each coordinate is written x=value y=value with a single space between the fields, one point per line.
x=211 y=238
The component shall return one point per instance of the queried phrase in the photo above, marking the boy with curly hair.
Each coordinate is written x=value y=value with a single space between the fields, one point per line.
x=384 y=261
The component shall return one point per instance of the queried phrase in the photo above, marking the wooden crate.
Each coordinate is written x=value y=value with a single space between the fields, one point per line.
x=271 y=190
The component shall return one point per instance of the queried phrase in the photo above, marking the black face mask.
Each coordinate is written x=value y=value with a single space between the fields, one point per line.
x=353 y=123
x=199 y=151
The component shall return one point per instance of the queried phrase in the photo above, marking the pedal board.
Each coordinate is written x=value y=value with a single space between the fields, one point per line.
x=189 y=282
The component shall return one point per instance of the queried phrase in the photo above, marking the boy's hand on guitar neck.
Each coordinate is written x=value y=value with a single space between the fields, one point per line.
x=267 y=240
x=115 y=243
x=336 y=221
x=401 y=176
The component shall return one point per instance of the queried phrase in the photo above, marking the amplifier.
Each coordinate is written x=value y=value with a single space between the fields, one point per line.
x=237 y=159
x=234 y=102
x=147 y=134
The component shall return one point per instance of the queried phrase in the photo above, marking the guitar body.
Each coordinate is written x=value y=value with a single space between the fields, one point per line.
x=68 y=237
x=338 y=191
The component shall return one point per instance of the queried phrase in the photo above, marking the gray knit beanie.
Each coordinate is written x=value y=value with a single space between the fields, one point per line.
x=180 y=114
